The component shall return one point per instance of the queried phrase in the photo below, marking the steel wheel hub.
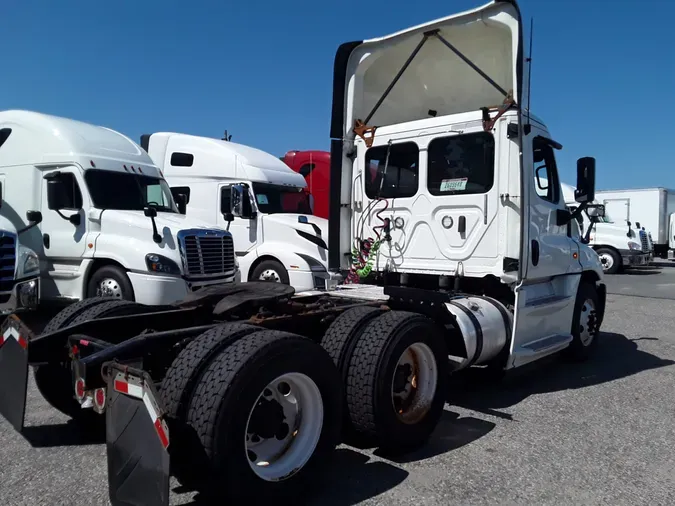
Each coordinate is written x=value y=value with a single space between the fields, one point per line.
x=607 y=261
x=588 y=322
x=414 y=384
x=284 y=427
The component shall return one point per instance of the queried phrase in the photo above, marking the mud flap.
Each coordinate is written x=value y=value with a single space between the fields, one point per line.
x=137 y=439
x=14 y=338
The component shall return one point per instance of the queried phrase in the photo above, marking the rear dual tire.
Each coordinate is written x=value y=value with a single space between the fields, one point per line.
x=395 y=368
x=55 y=380
x=241 y=414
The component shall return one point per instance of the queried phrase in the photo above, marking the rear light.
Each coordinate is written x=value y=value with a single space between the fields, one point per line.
x=99 y=399
x=79 y=389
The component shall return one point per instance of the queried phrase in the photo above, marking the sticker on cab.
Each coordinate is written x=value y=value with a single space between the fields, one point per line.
x=262 y=199
x=448 y=185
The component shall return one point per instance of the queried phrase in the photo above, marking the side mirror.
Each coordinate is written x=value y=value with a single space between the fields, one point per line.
x=181 y=203
x=57 y=194
x=242 y=206
x=34 y=217
x=595 y=211
x=585 y=191
x=150 y=212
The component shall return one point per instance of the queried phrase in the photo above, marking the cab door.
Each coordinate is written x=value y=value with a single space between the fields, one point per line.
x=545 y=299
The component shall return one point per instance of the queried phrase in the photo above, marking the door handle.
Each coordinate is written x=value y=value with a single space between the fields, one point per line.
x=535 y=252
x=45 y=240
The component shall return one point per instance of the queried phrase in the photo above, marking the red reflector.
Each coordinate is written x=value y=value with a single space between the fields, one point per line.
x=22 y=342
x=2 y=340
x=121 y=386
x=79 y=388
x=84 y=342
x=99 y=397
x=75 y=349
x=161 y=433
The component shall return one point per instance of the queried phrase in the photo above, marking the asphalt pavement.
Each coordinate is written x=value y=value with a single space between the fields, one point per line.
x=597 y=433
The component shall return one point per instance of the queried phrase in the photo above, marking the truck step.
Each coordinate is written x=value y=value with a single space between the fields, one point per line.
x=540 y=348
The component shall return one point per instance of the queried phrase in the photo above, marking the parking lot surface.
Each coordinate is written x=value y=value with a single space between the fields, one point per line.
x=597 y=433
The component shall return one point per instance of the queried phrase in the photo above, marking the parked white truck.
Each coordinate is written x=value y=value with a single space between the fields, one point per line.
x=650 y=209
x=617 y=245
x=277 y=238
x=242 y=391
x=109 y=225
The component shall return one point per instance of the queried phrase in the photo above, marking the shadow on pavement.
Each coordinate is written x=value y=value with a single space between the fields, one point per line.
x=616 y=357
x=64 y=434
x=350 y=478
x=647 y=271
x=451 y=433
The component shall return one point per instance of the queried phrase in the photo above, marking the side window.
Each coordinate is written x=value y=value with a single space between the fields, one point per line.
x=306 y=169
x=461 y=164
x=546 y=182
x=225 y=199
x=392 y=171
x=178 y=190
x=74 y=197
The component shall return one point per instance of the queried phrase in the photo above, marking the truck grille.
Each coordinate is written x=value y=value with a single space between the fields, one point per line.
x=206 y=253
x=7 y=261
x=644 y=241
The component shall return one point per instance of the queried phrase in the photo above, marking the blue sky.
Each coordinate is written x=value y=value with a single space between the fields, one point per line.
x=603 y=78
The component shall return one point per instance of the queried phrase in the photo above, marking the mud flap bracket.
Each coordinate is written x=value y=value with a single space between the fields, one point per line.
x=14 y=339
x=137 y=439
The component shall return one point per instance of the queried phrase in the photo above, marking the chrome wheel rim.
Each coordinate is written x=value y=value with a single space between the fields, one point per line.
x=587 y=322
x=607 y=261
x=109 y=287
x=270 y=275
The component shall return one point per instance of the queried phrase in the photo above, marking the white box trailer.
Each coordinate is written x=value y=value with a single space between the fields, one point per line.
x=650 y=207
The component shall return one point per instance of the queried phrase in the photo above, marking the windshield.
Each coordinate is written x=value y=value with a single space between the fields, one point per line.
x=272 y=199
x=128 y=192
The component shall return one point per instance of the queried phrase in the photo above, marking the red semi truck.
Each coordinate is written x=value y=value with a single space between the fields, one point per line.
x=315 y=167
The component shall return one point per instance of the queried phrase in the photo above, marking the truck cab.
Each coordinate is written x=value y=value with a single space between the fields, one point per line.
x=438 y=188
x=314 y=166
x=276 y=237
x=109 y=224
x=618 y=246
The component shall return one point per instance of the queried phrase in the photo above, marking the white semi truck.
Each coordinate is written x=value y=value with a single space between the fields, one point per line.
x=109 y=225
x=649 y=209
x=453 y=258
x=617 y=245
x=277 y=238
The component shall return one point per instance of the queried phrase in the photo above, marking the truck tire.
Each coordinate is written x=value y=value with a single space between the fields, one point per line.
x=270 y=270
x=110 y=281
x=397 y=380
x=64 y=317
x=339 y=341
x=585 y=324
x=239 y=399
x=178 y=385
x=610 y=259
x=55 y=380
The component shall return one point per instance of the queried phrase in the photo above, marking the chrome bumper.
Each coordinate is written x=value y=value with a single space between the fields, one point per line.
x=25 y=296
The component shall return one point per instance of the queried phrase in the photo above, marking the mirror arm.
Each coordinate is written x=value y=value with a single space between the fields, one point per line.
x=580 y=209
x=27 y=227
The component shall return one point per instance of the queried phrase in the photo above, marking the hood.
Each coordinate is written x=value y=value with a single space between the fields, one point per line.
x=291 y=220
x=6 y=225
x=137 y=219
x=456 y=64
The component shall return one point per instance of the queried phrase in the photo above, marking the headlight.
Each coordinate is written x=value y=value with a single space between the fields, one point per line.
x=633 y=246
x=29 y=263
x=161 y=264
